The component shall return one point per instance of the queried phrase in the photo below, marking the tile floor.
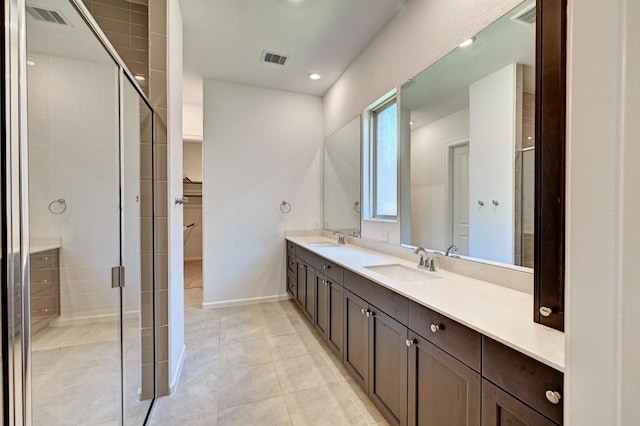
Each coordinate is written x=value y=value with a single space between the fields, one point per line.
x=259 y=365
x=193 y=274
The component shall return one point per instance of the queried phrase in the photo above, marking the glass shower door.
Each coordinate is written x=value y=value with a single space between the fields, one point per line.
x=76 y=220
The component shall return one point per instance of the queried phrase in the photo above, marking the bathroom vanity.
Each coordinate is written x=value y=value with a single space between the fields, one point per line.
x=429 y=348
x=44 y=270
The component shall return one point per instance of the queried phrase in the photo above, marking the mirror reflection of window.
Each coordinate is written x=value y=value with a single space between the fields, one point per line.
x=482 y=96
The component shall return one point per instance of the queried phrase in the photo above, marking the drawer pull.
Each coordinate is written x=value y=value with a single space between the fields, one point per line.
x=553 y=396
x=435 y=328
x=410 y=342
x=362 y=310
x=326 y=283
x=369 y=313
x=326 y=267
x=545 y=312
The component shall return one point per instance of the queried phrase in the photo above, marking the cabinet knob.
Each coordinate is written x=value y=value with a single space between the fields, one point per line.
x=553 y=396
x=326 y=267
x=545 y=312
x=410 y=342
x=362 y=310
x=369 y=313
x=434 y=328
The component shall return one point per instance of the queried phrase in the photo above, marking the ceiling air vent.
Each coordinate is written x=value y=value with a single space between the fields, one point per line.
x=527 y=16
x=274 y=58
x=47 y=15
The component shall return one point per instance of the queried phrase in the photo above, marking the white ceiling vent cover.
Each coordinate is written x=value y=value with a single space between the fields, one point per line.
x=274 y=58
x=527 y=16
x=47 y=15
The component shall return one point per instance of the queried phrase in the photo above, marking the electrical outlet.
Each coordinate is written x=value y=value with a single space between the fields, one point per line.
x=316 y=225
x=384 y=236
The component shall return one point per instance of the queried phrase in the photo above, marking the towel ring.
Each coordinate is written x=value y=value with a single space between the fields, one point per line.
x=285 y=207
x=356 y=206
x=62 y=206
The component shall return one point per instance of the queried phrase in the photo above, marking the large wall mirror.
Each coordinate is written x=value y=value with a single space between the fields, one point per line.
x=342 y=203
x=482 y=138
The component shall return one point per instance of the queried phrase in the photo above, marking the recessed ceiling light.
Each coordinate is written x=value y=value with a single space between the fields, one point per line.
x=314 y=76
x=139 y=77
x=468 y=42
x=30 y=62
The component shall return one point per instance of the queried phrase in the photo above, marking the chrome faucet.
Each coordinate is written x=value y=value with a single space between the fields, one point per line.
x=340 y=237
x=425 y=262
x=452 y=247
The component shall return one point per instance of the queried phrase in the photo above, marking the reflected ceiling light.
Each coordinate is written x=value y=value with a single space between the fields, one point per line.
x=30 y=62
x=411 y=122
x=314 y=76
x=139 y=77
x=468 y=42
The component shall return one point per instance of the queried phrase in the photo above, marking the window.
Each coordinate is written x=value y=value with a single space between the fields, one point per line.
x=384 y=160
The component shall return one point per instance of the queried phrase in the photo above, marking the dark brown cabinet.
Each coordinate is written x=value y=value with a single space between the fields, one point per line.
x=499 y=408
x=418 y=366
x=44 y=270
x=328 y=309
x=388 y=365
x=442 y=390
x=356 y=338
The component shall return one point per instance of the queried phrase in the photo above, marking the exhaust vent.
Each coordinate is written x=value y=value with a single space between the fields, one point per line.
x=47 y=15
x=527 y=16
x=274 y=58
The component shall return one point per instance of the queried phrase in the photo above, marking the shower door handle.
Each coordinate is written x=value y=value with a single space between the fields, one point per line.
x=117 y=277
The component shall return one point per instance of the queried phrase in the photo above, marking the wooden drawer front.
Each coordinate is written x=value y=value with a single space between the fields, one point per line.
x=46 y=259
x=358 y=285
x=388 y=301
x=43 y=276
x=332 y=271
x=500 y=408
x=291 y=262
x=523 y=377
x=307 y=256
x=291 y=283
x=291 y=249
x=456 y=339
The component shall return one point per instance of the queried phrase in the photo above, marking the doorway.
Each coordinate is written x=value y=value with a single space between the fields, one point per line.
x=192 y=226
x=459 y=196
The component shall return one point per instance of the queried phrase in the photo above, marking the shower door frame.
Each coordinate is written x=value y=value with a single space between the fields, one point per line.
x=15 y=291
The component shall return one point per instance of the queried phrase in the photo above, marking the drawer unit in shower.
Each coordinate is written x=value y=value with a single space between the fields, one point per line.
x=44 y=272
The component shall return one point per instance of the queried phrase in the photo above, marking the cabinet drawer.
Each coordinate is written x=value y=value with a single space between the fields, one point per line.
x=523 y=377
x=332 y=271
x=46 y=259
x=43 y=276
x=388 y=301
x=291 y=249
x=291 y=283
x=454 y=338
x=307 y=256
x=291 y=262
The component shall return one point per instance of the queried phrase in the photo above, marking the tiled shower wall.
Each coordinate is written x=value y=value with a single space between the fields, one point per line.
x=126 y=25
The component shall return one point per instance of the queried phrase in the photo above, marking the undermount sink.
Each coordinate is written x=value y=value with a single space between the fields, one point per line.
x=323 y=244
x=403 y=273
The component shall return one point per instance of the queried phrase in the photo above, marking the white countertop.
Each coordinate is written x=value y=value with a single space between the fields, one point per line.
x=498 y=312
x=44 y=244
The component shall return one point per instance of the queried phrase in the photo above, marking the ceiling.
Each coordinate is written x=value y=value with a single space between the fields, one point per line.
x=224 y=40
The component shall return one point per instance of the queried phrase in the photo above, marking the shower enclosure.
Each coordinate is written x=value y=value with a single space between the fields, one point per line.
x=78 y=232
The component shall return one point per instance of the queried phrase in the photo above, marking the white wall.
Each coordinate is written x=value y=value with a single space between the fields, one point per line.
x=192 y=121
x=602 y=380
x=492 y=139
x=261 y=147
x=174 y=147
x=420 y=34
x=73 y=154
x=430 y=225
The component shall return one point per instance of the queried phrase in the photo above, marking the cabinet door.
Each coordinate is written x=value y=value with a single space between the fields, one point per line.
x=388 y=366
x=309 y=293
x=301 y=277
x=442 y=390
x=321 y=320
x=501 y=409
x=356 y=338
x=335 y=301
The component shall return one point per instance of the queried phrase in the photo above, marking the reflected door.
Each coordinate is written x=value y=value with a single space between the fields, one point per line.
x=460 y=198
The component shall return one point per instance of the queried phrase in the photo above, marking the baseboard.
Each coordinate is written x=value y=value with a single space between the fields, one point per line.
x=241 y=302
x=90 y=319
x=173 y=385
